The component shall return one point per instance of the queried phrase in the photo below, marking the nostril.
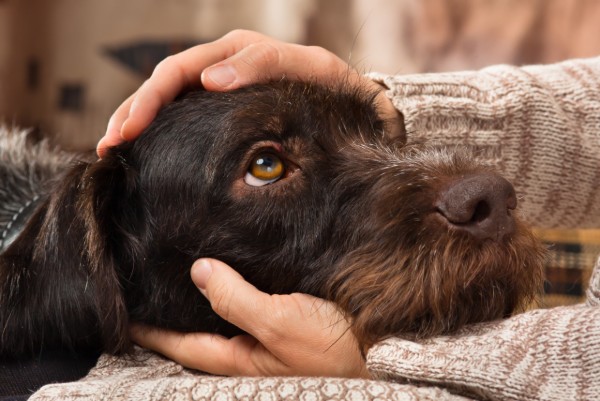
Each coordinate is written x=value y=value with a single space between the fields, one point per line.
x=482 y=211
x=479 y=204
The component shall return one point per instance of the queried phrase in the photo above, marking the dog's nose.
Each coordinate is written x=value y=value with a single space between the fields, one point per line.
x=479 y=204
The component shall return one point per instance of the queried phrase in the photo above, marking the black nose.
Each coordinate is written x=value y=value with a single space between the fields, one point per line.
x=479 y=204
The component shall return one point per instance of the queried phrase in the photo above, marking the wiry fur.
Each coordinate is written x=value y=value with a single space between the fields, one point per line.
x=352 y=221
x=26 y=168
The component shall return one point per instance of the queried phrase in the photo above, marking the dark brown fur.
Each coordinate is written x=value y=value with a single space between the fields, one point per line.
x=353 y=221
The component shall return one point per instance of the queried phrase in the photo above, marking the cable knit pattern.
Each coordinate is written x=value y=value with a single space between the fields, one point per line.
x=549 y=354
x=541 y=126
x=149 y=377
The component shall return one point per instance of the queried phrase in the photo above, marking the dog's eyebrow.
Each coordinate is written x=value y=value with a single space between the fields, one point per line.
x=274 y=124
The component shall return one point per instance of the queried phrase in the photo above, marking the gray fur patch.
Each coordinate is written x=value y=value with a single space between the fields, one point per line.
x=26 y=167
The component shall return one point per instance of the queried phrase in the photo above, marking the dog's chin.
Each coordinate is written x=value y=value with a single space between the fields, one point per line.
x=438 y=285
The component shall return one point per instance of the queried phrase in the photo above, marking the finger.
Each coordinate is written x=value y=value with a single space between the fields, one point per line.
x=177 y=72
x=195 y=350
x=107 y=142
x=144 y=107
x=255 y=58
x=268 y=318
x=271 y=60
x=112 y=135
x=169 y=78
x=233 y=298
x=149 y=98
x=210 y=353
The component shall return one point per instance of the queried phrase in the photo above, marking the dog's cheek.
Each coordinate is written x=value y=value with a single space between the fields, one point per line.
x=437 y=286
x=274 y=234
x=376 y=295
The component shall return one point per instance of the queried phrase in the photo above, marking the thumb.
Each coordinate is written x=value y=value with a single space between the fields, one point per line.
x=230 y=296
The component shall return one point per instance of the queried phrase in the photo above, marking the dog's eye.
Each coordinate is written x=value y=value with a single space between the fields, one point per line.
x=266 y=168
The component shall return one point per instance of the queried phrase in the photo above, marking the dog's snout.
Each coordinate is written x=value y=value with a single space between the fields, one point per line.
x=479 y=204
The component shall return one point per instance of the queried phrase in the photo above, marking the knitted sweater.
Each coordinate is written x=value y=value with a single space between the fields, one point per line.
x=541 y=126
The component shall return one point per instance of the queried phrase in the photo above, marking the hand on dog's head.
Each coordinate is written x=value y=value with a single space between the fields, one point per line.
x=295 y=185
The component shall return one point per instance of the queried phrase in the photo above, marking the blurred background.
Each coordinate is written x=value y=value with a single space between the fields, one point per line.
x=65 y=65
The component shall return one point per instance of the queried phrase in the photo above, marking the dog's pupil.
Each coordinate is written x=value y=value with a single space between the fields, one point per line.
x=267 y=167
x=266 y=163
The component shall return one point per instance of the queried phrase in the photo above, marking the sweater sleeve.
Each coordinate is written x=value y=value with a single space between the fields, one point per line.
x=539 y=124
x=545 y=354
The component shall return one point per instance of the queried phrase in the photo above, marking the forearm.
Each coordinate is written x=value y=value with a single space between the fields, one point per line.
x=540 y=125
x=546 y=354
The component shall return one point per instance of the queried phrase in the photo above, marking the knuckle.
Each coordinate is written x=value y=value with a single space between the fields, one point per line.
x=163 y=66
x=242 y=34
x=274 y=328
x=239 y=360
x=237 y=33
x=324 y=55
x=318 y=50
x=220 y=301
x=266 y=56
x=269 y=52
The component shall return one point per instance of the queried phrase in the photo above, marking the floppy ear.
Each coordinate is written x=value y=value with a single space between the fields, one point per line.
x=109 y=216
x=60 y=284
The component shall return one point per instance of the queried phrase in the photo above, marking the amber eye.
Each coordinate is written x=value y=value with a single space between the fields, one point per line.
x=266 y=168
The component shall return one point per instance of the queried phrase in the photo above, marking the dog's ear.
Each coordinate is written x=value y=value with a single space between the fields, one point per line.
x=109 y=217
x=60 y=284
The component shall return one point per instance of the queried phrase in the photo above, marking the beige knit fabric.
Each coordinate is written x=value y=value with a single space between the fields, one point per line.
x=546 y=354
x=541 y=126
x=149 y=377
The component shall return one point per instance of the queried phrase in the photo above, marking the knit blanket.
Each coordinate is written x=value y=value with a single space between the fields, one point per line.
x=146 y=376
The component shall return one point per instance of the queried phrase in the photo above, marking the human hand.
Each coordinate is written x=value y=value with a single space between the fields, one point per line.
x=294 y=334
x=238 y=59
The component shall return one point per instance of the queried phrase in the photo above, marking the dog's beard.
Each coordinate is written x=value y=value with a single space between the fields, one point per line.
x=437 y=285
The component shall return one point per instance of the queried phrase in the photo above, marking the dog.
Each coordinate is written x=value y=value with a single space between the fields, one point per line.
x=298 y=186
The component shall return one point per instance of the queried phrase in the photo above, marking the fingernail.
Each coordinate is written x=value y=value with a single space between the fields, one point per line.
x=201 y=271
x=222 y=75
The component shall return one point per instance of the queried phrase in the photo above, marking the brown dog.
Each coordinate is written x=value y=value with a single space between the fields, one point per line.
x=295 y=185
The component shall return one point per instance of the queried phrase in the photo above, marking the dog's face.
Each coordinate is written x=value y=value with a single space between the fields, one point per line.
x=299 y=188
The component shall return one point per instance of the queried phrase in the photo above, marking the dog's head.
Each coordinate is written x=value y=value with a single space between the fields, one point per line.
x=299 y=188
x=295 y=185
